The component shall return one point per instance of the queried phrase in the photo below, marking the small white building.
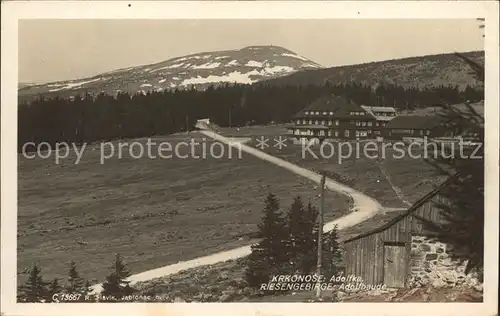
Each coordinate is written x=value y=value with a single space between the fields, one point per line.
x=381 y=113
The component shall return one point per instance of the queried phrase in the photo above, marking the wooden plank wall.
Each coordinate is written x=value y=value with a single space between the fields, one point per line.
x=365 y=256
x=428 y=211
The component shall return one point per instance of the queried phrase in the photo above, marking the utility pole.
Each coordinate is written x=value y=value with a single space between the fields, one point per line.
x=229 y=117
x=187 y=124
x=320 y=234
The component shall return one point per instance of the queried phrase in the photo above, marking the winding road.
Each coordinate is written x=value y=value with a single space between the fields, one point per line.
x=364 y=207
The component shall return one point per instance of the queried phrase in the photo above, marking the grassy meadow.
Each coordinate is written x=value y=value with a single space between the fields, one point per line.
x=154 y=212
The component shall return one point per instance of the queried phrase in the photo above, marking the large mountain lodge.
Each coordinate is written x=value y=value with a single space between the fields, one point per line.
x=334 y=118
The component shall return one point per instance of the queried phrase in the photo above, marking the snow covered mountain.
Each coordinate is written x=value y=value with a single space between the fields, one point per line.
x=247 y=65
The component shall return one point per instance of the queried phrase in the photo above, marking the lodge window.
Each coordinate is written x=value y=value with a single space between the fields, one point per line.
x=330 y=123
x=337 y=123
x=298 y=121
x=316 y=122
x=363 y=133
x=329 y=133
x=428 y=133
x=376 y=123
x=323 y=122
x=317 y=113
x=421 y=132
x=346 y=133
x=310 y=122
x=325 y=113
x=304 y=122
x=331 y=113
x=369 y=123
x=336 y=134
x=358 y=123
x=307 y=112
x=363 y=123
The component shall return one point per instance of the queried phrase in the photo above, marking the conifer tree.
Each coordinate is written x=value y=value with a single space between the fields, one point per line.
x=54 y=288
x=116 y=284
x=75 y=282
x=303 y=235
x=462 y=198
x=296 y=230
x=269 y=256
x=88 y=288
x=35 y=289
x=331 y=253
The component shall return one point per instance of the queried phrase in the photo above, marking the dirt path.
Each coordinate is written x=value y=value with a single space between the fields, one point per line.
x=364 y=207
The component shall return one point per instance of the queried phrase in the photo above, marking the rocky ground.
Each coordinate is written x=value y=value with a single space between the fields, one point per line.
x=224 y=282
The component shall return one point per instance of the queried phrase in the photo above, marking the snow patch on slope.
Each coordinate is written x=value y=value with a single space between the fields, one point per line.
x=233 y=63
x=171 y=66
x=71 y=85
x=310 y=65
x=207 y=66
x=234 y=76
x=253 y=63
x=278 y=69
x=295 y=56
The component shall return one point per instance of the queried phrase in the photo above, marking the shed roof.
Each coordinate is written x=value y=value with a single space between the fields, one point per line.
x=385 y=220
x=379 y=220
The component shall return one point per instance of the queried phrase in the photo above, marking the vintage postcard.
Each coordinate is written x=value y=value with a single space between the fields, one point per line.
x=328 y=156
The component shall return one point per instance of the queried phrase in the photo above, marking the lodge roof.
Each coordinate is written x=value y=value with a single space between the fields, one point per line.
x=383 y=221
x=387 y=109
x=373 y=110
x=415 y=122
x=334 y=106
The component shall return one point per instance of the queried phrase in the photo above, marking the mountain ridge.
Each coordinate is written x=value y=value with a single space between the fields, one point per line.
x=247 y=65
x=417 y=71
x=251 y=65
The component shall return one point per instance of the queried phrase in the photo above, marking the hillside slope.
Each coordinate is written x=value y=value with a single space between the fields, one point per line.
x=423 y=71
x=247 y=65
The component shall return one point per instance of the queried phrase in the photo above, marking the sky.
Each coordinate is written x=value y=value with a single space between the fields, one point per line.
x=52 y=50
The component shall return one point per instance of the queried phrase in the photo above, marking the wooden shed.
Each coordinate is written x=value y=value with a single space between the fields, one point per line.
x=378 y=250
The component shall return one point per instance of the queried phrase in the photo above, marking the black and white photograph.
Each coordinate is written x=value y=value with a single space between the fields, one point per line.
x=250 y=160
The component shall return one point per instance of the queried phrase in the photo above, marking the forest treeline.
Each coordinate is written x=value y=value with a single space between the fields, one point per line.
x=92 y=118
